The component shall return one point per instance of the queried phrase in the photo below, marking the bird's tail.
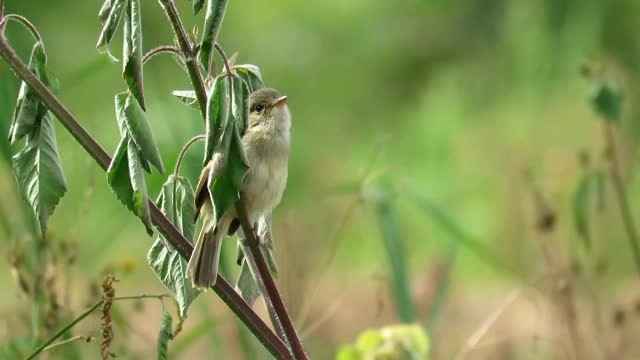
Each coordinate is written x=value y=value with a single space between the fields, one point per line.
x=203 y=265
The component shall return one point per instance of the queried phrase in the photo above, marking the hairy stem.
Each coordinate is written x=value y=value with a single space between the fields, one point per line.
x=189 y=54
x=618 y=185
x=159 y=50
x=270 y=286
x=244 y=312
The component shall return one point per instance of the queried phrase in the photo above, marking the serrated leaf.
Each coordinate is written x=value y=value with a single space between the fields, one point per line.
x=167 y=264
x=110 y=16
x=130 y=114
x=212 y=23
x=132 y=51
x=164 y=336
x=29 y=109
x=607 y=101
x=250 y=74
x=246 y=285
x=217 y=115
x=38 y=171
x=197 y=6
x=187 y=96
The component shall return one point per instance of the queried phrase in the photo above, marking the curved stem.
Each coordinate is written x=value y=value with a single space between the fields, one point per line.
x=23 y=21
x=159 y=50
x=239 y=307
x=176 y=172
x=225 y=60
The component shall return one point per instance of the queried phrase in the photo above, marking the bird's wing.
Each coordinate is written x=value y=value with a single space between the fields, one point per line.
x=210 y=171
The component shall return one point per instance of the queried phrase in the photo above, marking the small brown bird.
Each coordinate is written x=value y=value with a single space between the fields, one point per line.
x=266 y=145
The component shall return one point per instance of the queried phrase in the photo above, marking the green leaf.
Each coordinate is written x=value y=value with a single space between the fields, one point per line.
x=187 y=96
x=132 y=51
x=125 y=170
x=197 y=6
x=164 y=336
x=240 y=108
x=130 y=114
x=110 y=15
x=217 y=114
x=29 y=109
x=607 y=101
x=395 y=248
x=212 y=22
x=246 y=285
x=581 y=203
x=250 y=74
x=38 y=171
x=167 y=264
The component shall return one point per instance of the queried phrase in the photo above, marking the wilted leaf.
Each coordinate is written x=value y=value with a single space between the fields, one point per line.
x=167 y=264
x=131 y=114
x=38 y=170
x=250 y=74
x=607 y=101
x=110 y=15
x=213 y=20
x=29 y=109
x=132 y=51
x=139 y=186
x=188 y=97
x=164 y=336
x=197 y=6
x=246 y=285
x=217 y=115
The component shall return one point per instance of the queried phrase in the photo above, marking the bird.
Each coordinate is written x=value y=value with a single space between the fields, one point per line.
x=266 y=144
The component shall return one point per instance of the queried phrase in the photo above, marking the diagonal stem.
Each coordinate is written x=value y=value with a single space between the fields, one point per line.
x=269 y=284
x=240 y=308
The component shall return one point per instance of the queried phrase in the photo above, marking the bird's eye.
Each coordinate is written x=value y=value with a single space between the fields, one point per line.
x=258 y=108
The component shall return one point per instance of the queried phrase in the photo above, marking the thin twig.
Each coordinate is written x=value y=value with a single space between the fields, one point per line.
x=189 y=52
x=618 y=185
x=272 y=290
x=4 y=20
x=64 y=342
x=225 y=60
x=176 y=172
x=226 y=292
x=159 y=50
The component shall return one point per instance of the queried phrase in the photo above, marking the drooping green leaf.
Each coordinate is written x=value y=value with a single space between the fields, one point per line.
x=132 y=51
x=188 y=97
x=29 y=109
x=212 y=23
x=120 y=176
x=167 y=264
x=217 y=115
x=39 y=172
x=164 y=336
x=250 y=74
x=240 y=108
x=197 y=6
x=133 y=117
x=606 y=100
x=110 y=15
x=139 y=186
x=395 y=248
x=246 y=285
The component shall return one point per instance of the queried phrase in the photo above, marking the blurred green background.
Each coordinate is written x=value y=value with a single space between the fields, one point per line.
x=425 y=134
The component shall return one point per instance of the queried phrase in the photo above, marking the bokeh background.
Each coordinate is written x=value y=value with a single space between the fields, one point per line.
x=437 y=151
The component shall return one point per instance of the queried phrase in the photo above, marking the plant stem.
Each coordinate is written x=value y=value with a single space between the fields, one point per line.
x=618 y=185
x=159 y=50
x=65 y=329
x=243 y=311
x=64 y=342
x=4 y=20
x=190 y=56
x=272 y=290
x=176 y=172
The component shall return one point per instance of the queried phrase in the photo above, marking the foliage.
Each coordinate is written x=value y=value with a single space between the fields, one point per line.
x=393 y=342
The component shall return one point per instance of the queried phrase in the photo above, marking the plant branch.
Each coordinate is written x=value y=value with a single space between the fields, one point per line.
x=5 y=19
x=159 y=50
x=70 y=340
x=618 y=185
x=272 y=290
x=189 y=54
x=225 y=60
x=164 y=225
x=176 y=172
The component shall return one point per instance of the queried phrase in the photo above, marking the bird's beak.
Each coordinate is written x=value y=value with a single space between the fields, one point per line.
x=279 y=101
